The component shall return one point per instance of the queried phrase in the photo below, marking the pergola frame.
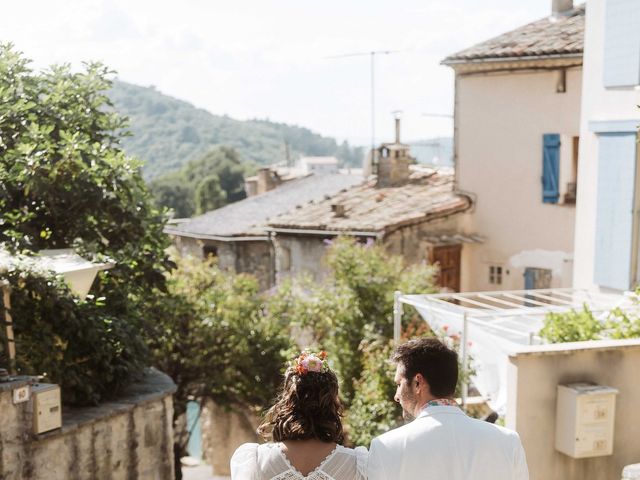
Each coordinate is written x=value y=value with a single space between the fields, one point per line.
x=491 y=309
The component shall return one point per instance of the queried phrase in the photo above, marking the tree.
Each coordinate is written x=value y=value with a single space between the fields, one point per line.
x=209 y=195
x=186 y=192
x=65 y=182
x=213 y=339
x=172 y=192
x=223 y=162
x=371 y=276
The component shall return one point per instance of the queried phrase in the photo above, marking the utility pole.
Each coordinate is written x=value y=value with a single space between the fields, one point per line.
x=372 y=54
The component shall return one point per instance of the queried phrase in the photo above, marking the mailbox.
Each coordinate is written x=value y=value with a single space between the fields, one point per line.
x=47 y=413
x=585 y=416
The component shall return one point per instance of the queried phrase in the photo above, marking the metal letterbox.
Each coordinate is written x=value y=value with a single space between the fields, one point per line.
x=47 y=412
x=585 y=415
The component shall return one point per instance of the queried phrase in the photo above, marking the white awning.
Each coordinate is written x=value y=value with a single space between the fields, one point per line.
x=492 y=325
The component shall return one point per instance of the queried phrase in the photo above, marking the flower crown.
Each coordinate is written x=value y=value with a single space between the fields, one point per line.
x=310 y=362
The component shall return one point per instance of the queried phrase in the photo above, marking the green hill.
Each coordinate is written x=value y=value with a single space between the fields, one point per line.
x=168 y=133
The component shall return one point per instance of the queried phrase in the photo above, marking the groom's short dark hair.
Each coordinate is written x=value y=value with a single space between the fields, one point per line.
x=431 y=358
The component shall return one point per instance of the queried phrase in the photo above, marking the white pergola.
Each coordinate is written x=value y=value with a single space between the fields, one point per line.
x=503 y=320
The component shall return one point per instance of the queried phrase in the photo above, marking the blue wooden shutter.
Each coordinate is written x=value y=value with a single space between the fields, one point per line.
x=614 y=212
x=622 y=43
x=550 y=167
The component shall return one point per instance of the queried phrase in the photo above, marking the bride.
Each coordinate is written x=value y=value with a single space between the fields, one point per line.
x=304 y=429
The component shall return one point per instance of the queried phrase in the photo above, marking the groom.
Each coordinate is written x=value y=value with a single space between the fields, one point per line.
x=441 y=441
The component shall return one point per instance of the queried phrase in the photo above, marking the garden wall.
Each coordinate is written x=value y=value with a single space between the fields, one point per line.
x=129 y=438
x=535 y=372
x=222 y=432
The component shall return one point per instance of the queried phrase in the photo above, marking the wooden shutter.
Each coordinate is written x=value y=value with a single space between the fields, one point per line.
x=614 y=213
x=622 y=43
x=550 y=167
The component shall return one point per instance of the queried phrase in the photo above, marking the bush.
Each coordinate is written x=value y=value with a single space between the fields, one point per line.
x=577 y=326
x=76 y=343
x=369 y=276
x=373 y=410
x=212 y=338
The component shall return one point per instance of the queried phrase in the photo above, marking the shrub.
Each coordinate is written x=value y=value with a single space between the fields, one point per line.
x=76 y=343
x=572 y=326
x=370 y=276
x=373 y=410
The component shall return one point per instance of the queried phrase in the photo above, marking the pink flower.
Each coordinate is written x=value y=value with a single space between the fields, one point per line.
x=312 y=363
x=445 y=327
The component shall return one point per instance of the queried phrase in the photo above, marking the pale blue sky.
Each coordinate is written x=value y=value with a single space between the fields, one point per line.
x=257 y=58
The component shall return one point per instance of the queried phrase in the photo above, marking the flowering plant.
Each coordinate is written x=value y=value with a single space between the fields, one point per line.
x=310 y=362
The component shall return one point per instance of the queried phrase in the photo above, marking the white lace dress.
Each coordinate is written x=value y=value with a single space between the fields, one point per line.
x=268 y=462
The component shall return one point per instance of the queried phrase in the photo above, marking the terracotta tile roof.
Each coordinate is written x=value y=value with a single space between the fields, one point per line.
x=548 y=36
x=426 y=196
x=249 y=216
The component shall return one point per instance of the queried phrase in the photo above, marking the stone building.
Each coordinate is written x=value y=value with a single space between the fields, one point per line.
x=412 y=211
x=236 y=233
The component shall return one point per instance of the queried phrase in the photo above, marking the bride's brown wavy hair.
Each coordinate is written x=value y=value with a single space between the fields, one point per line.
x=307 y=407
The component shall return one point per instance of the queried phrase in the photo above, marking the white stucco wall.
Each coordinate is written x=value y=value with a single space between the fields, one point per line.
x=533 y=377
x=500 y=121
x=598 y=104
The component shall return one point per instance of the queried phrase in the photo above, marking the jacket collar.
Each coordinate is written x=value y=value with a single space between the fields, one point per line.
x=429 y=411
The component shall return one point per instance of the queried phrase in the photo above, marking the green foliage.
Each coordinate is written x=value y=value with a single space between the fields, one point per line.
x=171 y=191
x=573 y=326
x=212 y=338
x=78 y=344
x=621 y=324
x=202 y=185
x=373 y=410
x=577 y=326
x=209 y=195
x=223 y=162
x=169 y=133
x=65 y=182
x=371 y=276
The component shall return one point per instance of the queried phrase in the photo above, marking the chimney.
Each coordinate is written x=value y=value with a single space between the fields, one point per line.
x=338 y=210
x=393 y=162
x=266 y=181
x=561 y=7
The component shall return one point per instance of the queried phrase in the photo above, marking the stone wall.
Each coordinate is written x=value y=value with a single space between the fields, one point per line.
x=222 y=432
x=128 y=438
x=254 y=257
x=533 y=376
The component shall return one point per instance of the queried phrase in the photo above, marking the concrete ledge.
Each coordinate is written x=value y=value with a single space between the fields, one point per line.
x=16 y=382
x=573 y=347
x=130 y=437
x=153 y=386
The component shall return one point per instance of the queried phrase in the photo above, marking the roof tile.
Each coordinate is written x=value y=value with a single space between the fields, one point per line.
x=549 y=36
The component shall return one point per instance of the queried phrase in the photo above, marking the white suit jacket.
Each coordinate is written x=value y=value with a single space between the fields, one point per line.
x=444 y=443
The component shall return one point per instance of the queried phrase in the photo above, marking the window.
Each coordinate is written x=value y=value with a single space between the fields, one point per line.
x=209 y=251
x=559 y=168
x=495 y=275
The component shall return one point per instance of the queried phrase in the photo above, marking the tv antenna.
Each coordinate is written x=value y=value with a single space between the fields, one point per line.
x=372 y=54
